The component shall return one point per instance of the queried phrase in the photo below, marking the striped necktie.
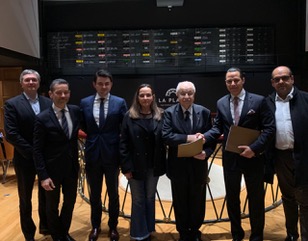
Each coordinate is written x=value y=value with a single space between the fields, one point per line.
x=64 y=123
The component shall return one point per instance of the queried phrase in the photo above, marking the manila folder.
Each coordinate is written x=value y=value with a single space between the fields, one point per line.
x=240 y=136
x=190 y=149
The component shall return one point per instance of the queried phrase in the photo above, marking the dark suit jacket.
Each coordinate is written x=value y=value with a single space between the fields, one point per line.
x=255 y=115
x=19 y=123
x=299 y=116
x=173 y=133
x=102 y=142
x=54 y=154
x=135 y=140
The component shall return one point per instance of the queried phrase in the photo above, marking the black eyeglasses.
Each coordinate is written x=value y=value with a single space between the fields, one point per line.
x=284 y=78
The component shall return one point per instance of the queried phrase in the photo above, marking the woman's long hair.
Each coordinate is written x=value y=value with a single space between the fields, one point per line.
x=135 y=109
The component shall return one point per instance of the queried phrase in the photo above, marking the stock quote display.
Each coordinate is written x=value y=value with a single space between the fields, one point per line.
x=157 y=51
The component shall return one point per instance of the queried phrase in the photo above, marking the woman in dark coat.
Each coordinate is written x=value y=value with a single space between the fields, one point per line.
x=143 y=158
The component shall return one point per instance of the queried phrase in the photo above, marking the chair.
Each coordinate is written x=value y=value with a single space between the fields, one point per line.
x=6 y=155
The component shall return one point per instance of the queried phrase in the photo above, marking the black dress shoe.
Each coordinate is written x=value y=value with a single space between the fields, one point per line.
x=44 y=231
x=93 y=236
x=31 y=239
x=69 y=238
x=114 y=235
x=58 y=239
x=291 y=238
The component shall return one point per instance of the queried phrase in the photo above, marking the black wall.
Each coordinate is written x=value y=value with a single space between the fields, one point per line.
x=286 y=16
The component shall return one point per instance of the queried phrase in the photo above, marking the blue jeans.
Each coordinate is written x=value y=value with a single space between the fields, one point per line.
x=143 y=206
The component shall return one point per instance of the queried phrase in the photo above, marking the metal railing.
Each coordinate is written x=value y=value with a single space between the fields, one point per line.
x=215 y=207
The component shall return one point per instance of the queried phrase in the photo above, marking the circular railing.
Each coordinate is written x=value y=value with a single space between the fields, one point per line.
x=215 y=204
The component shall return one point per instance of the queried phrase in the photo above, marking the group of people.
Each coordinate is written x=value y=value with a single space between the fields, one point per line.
x=142 y=142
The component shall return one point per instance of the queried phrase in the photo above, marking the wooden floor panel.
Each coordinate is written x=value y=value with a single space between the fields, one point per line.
x=10 y=228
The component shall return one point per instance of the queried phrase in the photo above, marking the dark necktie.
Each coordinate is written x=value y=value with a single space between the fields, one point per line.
x=101 y=113
x=64 y=123
x=236 y=110
x=187 y=121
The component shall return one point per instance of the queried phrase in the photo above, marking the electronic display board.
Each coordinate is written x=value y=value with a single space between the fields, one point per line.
x=157 y=51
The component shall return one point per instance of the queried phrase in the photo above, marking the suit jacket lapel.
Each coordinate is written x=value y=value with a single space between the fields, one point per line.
x=54 y=118
x=226 y=109
x=246 y=106
x=196 y=118
x=26 y=104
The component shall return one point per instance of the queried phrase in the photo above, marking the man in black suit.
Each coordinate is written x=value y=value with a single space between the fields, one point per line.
x=55 y=145
x=102 y=115
x=183 y=122
x=253 y=113
x=289 y=151
x=19 y=116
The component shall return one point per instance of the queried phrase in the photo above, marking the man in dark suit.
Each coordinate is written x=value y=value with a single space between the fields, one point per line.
x=252 y=113
x=289 y=151
x=183 y=122
x=55 y=146
x=19 y=115
x=102 y=115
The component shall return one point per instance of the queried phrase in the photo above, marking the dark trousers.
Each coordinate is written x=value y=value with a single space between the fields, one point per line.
x=295 y=199
x=255 y=191
x=95 y=174
x=60 y=222
x=189 y=196
x=25 y=182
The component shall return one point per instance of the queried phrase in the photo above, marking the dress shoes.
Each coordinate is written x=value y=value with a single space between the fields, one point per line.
x=291 y=238
x=114 y=235
x=44 y=231
x=69 y=238
x=31 y=239
x=196 y=239
x=93 y=236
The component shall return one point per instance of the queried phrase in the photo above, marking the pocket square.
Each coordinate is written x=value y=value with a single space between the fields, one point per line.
x=251 y=112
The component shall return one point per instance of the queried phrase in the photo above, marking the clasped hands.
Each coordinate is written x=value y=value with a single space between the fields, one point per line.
x=192 y=138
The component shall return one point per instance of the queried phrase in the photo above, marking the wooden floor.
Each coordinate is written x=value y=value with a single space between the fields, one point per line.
x=10 y=228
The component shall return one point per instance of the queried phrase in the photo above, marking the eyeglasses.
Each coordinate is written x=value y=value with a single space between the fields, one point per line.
x=284 y=78
x=235 y=80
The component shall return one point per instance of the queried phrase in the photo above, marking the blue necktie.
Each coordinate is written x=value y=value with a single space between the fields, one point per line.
x=101 y=113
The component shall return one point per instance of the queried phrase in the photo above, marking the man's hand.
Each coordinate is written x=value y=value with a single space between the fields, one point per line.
x=200 y=156
x=47 y=184
x=192 y=138
x=247 y=152
x=128 y=175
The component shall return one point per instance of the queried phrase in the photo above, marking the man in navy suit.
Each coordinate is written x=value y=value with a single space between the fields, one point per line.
x=254 y=113
x=19 y=116
x=183 y=122
x=55 y=147
x=102 y=115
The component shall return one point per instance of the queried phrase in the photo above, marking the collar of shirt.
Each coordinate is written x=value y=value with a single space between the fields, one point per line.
x=289 y=96
x=57 y=110
x=241 y=96
x=98 y=97
x=29 y=99
x=190 y=110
